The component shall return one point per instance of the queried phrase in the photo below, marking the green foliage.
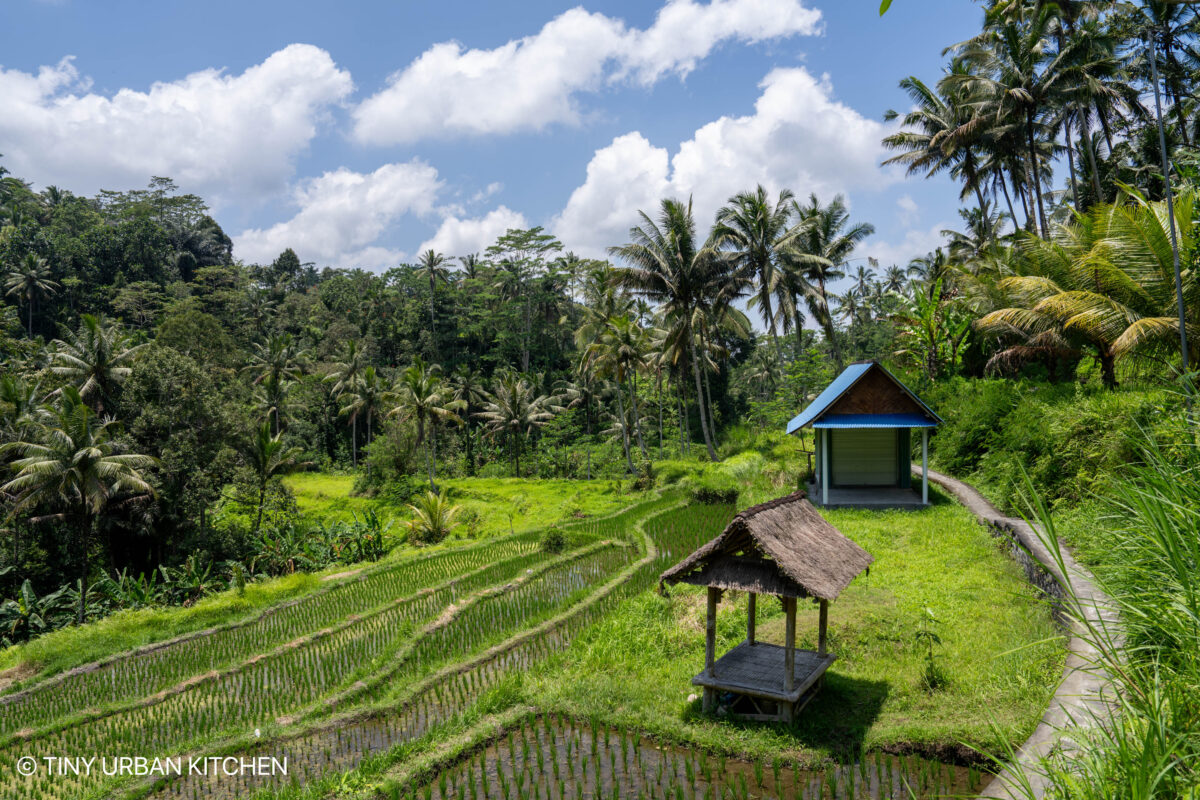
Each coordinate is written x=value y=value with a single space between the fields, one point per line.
x=434 y=518
x=1072 y=441
x=554 y=540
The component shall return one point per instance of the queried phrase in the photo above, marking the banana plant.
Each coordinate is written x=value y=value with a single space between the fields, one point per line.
x=28 y=615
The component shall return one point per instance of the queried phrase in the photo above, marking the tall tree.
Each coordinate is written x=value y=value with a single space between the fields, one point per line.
x=345 y=376
x=74 y=464
x=268 y=458
x=758 y=232
x=29 y=280
x=670 y=266
x=424 y=397
x=431 y=264
x=514 y=409
x=95 y=358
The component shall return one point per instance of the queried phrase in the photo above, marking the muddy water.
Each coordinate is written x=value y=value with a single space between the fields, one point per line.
x=560 y=760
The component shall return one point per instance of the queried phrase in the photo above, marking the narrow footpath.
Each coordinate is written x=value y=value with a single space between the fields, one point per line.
x=1081 y=698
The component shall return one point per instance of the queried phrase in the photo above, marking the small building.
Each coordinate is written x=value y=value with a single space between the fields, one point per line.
x=783 y=548
x=863 y=424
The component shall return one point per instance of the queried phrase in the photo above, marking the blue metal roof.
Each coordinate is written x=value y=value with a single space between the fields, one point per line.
x=875 y=421
x=825 y=399
x=841 y=384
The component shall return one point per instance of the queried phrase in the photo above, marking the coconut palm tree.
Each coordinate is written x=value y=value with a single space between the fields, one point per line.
x=345 y=376
x=619 y=353
x=433 y=519
x=367 y=399
x=424 y=397
x=514 y=410
x=279 y=357
x=96 y=359
x=431 y=265
x=268 y=457
x=29 y=280
x=468 y=388
x=72 y=468
x=670 y=266
x=824 y=241
x=758 y=232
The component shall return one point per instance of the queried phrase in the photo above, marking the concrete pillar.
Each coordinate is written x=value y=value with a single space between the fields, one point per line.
x=751 y=613
x=925 y=466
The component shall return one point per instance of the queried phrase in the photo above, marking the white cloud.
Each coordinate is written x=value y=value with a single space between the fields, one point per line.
x=212 y=132
x=908 y=212
x=460 y=237
x=915 y=243
x=532 y=82
x=342 y=214
x=798 y=137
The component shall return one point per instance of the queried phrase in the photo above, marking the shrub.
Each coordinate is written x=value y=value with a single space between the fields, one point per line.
x=554 y=540
x=712 y=490
x=433 y=519
x=644 y=479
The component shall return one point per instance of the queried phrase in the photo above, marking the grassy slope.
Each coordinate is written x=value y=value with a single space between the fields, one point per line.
x=543 y=501
x=636 y=666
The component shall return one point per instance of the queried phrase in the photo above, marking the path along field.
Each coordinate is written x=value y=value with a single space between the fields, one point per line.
x=370 y=674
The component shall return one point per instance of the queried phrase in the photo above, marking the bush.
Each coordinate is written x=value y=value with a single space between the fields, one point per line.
x=554 y=540
x=714 y=491
x=644 y=479
x=433 y=519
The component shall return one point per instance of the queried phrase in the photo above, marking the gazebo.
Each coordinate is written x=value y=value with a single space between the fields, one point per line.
x=782 y=548
x=862 y=425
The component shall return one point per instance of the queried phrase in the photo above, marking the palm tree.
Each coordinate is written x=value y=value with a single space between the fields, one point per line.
x=1019 y=76
x=758 y=232
x=618 y=353
x=669 y=266
x=937 y=134
x=268 y=457
x=366 y=399
x=424 y=397
x=984 y=230
x=468 y=388
x=272 y=401
x=822 y=245
x=431 y=266
x=433 y=519
x=514 y=410
x=1107 y=279
x=73 y=463
x=96 y=359
x=894 y=278
x=345 y=377
x=279 y=357
x=29 y=280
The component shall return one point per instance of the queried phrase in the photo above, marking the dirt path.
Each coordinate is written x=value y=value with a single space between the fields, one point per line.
x=1081 y=696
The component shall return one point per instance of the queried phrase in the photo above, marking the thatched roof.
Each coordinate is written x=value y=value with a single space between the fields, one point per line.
x=781 y=547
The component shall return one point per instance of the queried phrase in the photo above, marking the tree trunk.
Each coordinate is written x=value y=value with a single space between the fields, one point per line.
x=432 y=458
x=658 y=392
x=1036 y=188
x=712 y=452
x=1008 y=199
x=712 y=422
x=262 y=497
x=84 y=537
x=354 y=441
x=1071 y=167
x=1085 y=137
x=1108 y=373
x=624 y=423
x=637 y=419
x=432 y=326
x=679 y=414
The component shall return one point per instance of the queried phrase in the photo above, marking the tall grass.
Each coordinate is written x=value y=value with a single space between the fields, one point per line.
x=1150 y=746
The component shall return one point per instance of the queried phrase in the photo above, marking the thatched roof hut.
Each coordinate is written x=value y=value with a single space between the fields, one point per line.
x=784 y=548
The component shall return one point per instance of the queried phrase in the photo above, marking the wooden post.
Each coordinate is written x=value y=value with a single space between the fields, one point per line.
x=825 y=439
x=710 y=646
x=925 y=466
x=823 y=626
x=789 y=652
x=751 y=613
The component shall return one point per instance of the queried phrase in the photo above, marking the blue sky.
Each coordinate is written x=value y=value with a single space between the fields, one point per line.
x=360 y=132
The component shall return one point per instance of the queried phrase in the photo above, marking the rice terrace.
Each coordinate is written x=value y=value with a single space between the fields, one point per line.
x=693 y=400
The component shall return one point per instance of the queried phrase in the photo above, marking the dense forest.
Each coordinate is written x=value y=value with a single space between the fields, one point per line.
x=154 y=387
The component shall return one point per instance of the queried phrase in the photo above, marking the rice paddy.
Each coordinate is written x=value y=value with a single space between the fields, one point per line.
x=348 y=680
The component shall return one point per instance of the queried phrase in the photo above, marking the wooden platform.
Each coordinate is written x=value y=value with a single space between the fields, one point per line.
x=757 y=670
x=874 y=497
